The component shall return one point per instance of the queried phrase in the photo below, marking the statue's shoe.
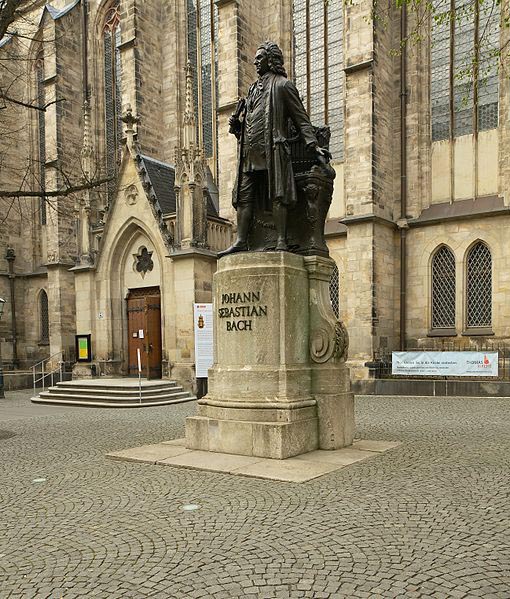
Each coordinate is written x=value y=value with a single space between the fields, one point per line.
x=281 y=246
x=237 y=247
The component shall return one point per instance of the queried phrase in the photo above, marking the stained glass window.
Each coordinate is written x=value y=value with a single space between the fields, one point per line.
x=41 y=135
x=443 y=289
x=112 y=94
x=203 y=55
x=318 y=64
x=464 y=67
x=479 y=286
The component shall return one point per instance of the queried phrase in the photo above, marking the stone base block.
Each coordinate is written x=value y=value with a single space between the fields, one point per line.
x=280 y=412
x=277 y=440
x=84 y=371
x=336 y=420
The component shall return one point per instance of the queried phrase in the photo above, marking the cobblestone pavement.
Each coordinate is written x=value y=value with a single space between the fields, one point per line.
x=428 y=519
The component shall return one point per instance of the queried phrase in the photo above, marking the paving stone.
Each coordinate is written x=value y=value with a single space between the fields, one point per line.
x=148 y=453
x=205 y=460
x=428 y=518
x=290 y=470
x=181 y=442
x=340 y=457
x=377 y=446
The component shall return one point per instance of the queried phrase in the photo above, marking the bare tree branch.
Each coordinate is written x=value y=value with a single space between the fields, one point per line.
x=56 y=193
x=32 y=106
x=11 y=10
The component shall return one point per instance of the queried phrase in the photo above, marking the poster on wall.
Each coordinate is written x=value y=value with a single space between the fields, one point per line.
x=445 y=363
x=83 y=348
x=203 y=318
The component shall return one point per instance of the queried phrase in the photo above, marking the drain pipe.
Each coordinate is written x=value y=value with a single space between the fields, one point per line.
x=10 y=257
x=403 y=174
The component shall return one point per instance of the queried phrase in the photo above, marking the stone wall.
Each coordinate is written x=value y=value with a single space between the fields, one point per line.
x=151 y=28
x=459 y=236
x=418 y=119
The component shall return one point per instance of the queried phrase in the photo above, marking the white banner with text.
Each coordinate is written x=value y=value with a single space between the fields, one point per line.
x=445 y=363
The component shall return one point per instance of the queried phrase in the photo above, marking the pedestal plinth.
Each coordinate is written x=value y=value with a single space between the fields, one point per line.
x=265 y=378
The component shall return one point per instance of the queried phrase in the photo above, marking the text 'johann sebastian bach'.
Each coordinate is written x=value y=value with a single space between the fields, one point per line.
x=240 y=309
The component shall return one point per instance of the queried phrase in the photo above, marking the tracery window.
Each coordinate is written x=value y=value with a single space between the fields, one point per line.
x=41 y=135
x=44 y=321
x=318 y=64
x=443 y=289
x=464 y=67
x=334 y=291
x=203 y=55
x=112 y=93
x=479 y=286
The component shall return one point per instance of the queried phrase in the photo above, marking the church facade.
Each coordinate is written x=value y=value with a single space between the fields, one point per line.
x=137 y=98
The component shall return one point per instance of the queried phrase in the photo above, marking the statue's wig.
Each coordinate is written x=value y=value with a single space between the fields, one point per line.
x=274 y=57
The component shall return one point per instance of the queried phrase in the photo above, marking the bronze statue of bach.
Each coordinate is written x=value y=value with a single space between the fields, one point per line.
x=261 y=125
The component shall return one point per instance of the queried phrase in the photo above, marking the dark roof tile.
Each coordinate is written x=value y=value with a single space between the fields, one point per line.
x=161 y=177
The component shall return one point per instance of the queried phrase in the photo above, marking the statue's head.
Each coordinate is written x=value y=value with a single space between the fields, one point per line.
x=269 y=57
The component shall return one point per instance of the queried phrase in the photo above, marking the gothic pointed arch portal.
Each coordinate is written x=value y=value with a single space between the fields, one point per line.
x=134 y=267
x=141 y=286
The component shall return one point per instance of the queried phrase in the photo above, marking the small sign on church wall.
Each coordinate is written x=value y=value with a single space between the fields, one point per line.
x=203 y=317
x=83 y=348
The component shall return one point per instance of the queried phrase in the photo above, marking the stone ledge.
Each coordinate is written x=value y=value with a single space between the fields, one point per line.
x=298 y=469
x=432 y=388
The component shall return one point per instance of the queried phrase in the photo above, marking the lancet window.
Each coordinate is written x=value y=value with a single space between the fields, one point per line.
x=318 y=64
x=203 y=55
x=112 y=93
x=41 y=135
x=464 y=67
x=334 y=291
x=44 y=321
x=479 y=286
x=443 y=289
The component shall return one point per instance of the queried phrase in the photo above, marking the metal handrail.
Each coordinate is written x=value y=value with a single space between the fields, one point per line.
x=48 y=373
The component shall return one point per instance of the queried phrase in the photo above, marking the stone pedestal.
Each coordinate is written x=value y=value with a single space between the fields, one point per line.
x=279 y=386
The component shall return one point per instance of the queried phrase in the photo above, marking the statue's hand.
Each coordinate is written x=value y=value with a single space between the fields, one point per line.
x=233 y=121
x=323 y=154
x=234 y=125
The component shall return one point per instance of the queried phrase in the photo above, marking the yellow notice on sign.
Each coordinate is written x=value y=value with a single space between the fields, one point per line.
x=83 y=349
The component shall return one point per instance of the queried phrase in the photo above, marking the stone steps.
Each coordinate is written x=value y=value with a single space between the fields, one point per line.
x=114 y=393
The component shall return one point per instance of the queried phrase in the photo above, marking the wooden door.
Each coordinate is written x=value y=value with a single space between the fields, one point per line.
x=144 y=331
x=153 y=335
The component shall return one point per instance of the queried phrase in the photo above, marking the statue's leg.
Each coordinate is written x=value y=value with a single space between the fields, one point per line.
x=280 y=221
x=244 y=215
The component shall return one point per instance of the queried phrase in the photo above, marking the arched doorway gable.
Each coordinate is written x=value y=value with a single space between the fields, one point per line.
x=115 y=250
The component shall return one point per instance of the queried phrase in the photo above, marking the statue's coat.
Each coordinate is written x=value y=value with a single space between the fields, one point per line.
x=283 y=104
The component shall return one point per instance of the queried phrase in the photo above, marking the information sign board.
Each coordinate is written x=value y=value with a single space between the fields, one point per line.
x=203 y=318
x=83 y=348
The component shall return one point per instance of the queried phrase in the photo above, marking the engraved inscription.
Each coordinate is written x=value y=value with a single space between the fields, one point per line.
x=240 y=309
